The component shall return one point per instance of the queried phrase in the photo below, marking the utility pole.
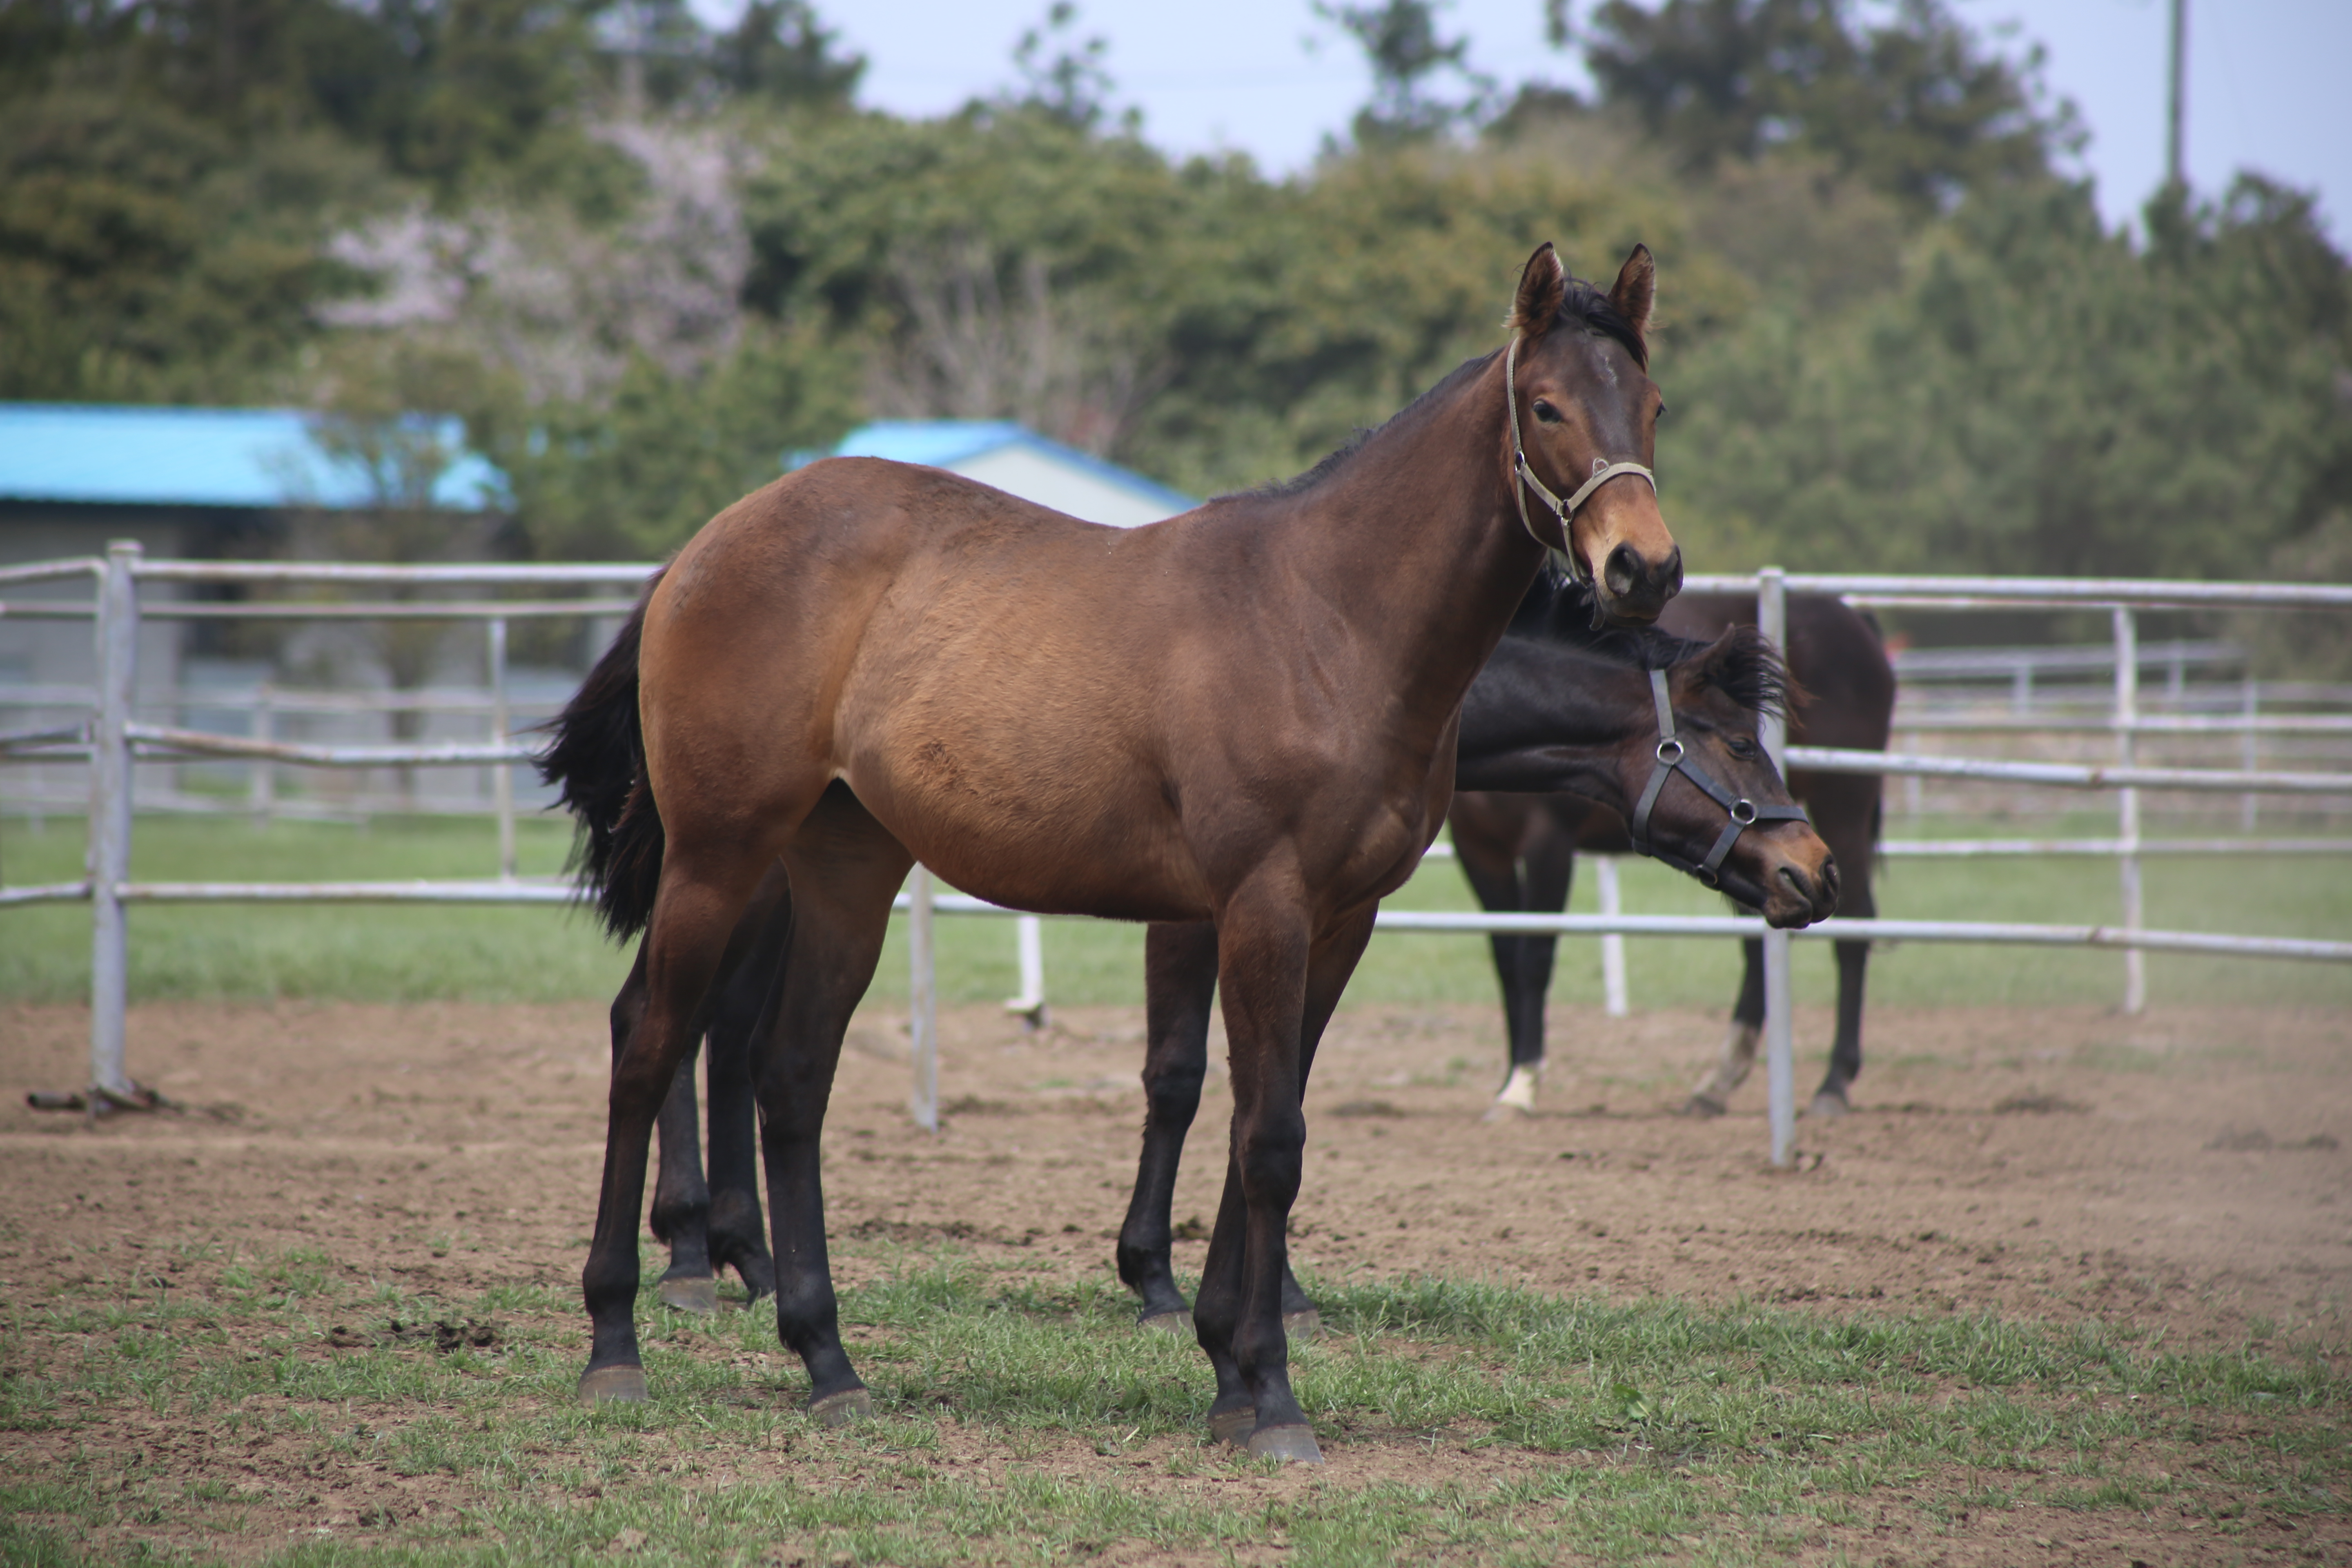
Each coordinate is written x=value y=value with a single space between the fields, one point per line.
x=2173 y=172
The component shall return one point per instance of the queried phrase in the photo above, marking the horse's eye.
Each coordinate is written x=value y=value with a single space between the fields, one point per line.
x=1546 y=412
x=1742 y=747
x=1661 y=411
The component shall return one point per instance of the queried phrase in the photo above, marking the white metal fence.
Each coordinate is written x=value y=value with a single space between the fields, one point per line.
x=112 y=741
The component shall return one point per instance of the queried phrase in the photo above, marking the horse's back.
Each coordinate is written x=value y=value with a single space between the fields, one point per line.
x=1835 y=657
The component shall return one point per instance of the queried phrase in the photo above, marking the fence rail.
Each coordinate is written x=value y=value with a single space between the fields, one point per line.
x=112 y=741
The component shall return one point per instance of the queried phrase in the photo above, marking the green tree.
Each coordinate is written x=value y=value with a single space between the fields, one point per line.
x=1400 y=42
x=1914 y=106
x=779 y=51
x=145 y=256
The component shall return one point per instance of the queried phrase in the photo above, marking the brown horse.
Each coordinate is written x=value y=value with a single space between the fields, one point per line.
x=1561 y=705
x=1518 y=850
x=1245 y=714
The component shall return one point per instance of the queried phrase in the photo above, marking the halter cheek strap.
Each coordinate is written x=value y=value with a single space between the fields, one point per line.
x=1524 y=477
x=1673 y=758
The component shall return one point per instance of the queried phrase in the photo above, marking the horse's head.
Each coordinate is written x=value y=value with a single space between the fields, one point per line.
x=1775 y=862
x=1583 y=406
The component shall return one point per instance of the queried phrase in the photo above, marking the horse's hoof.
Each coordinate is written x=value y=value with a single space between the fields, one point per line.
x=613 y=1386
x=1291 y=1445
x=1829 y=1106
x=689 y=1295
x=1232 y=1425
x=1179 y=1321
x=1303 y=1325
x=1504 y=1110
x=1704 y=1106
x=841 y=1409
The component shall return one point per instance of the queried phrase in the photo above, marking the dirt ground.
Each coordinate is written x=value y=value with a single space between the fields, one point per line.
x=2188 y=1169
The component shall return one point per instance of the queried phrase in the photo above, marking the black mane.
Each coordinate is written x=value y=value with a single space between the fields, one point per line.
x=1336 y=458
x=1560 y=611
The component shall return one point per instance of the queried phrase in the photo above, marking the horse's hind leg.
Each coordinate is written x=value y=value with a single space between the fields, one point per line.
x=1180 y=967
x=686 y=945
x=1845 y=1051
x=739 y=1231
x=716 y=1225
x=680 y=1198
x=1849 y=809
x=1713 y=1095
x=1549 y=872
x=845 y=870
x=681 y=1206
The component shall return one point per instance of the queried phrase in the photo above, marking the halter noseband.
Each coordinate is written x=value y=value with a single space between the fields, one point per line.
x=1672 y=758
x=1524 y=477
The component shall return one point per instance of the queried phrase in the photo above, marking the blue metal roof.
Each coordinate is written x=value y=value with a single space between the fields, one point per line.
x=134 y=455
x=943 y=443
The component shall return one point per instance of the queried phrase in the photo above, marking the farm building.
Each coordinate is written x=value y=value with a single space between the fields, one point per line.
x=1020 y=462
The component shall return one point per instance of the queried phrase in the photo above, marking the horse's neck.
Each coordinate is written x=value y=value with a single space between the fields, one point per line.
x=1540 y=718
x=1415 y=546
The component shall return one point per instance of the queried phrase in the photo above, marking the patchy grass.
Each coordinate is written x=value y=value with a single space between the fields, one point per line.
x=283 y=1407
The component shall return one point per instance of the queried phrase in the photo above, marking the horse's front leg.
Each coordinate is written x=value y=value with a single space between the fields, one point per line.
x=1179 y=985
x=1280 y=987
x=1179 y=971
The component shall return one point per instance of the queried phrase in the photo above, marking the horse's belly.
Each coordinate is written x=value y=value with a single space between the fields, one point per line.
x=1054 y=832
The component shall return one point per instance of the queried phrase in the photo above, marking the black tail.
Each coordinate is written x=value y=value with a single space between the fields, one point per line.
x=598 y=761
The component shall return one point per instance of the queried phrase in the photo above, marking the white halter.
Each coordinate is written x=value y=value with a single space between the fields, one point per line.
x=1524 y=477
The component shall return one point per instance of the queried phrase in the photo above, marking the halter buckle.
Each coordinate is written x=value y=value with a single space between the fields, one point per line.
x=1743 y=812
x=1670 y=752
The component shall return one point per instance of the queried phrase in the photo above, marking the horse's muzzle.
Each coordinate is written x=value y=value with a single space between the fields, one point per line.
x=1635 y=588
x=1798 y=898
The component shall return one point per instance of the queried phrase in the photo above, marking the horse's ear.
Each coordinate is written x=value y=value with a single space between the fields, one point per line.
x=1543 y=285
x=1637 y=289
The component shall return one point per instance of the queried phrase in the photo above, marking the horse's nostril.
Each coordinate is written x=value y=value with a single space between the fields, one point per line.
x=1623 y=570
x=1670 y=576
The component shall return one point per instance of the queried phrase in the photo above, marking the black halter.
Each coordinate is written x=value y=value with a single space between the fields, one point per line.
x=1744 y=812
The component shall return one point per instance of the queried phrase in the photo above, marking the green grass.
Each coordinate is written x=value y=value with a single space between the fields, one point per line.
x=1026 y=1423
x=541 y=954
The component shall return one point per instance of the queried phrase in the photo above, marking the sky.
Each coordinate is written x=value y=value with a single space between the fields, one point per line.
x=2266 y=77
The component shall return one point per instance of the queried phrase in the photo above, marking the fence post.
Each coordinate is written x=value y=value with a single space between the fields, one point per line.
x=2250 y=751
x=109 y=823
x=923 y=1002
x=1779 y=1063
x=1612 y=946
x=501 y=724
x=2127 y=722
x=261 y=780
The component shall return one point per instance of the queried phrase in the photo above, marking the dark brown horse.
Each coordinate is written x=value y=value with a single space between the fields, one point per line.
x=1519 y=849
x=1245 y=715
x=1561 y=705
